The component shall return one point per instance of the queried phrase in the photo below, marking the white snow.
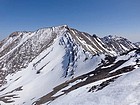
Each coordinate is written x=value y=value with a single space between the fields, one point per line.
x=124 y=47
x=124 y=91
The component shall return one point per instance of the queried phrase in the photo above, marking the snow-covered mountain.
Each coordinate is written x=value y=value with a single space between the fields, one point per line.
x=59 y=65
x=118 y=44
x=137 y=44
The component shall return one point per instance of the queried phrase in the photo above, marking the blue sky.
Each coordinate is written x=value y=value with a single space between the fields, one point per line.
x=101 y=17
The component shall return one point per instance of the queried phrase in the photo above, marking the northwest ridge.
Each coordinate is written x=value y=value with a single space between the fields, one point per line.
x=51 y=66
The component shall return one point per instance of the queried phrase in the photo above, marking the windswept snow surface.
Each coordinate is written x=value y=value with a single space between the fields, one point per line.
x=124 y=91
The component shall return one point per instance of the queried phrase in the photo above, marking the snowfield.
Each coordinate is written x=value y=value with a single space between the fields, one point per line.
x=124 y=91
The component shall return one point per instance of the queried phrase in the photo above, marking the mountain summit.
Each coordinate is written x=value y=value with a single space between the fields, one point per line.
x=59 y=65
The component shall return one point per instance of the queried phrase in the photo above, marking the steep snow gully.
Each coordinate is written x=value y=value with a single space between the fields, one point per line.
x=63 y=66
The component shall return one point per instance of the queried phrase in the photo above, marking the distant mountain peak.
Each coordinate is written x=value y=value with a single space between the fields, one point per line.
x=114 y=37
x=137 y=44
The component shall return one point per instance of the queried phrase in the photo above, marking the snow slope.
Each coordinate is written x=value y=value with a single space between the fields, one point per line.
x=124 y=91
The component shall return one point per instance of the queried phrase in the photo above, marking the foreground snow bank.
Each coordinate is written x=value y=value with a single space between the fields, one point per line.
x=124 y=91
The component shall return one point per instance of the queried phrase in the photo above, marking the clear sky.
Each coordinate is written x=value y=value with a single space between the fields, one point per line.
x=101 y=17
